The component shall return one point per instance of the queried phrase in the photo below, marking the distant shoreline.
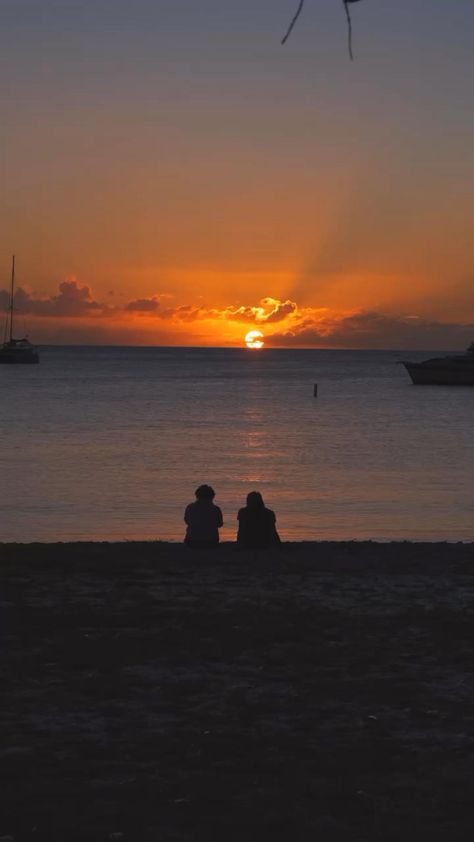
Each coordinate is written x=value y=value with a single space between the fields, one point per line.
x=241 y=347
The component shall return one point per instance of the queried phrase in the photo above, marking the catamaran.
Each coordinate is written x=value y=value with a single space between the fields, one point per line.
x=16 y=350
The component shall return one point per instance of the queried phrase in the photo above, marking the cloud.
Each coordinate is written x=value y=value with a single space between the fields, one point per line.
x=267 y=311
x=280 y=310
x=374 y=330
x=72 y=301
x=187 y=313
x=293 y=325
x=259 y=314
x=184 y=313
x=143 y=305
x=242 y=314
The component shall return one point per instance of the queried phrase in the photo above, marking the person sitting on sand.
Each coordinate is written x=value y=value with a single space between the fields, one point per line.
x=257 y=529
x=203 y=519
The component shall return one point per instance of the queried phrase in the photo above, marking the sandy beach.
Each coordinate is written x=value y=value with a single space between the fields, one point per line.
x=320 y=692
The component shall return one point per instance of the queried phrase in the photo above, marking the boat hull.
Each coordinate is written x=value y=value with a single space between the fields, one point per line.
x=439 y=375
x=18 y=356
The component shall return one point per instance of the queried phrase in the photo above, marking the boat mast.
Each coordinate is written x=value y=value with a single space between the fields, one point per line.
x=11 y=298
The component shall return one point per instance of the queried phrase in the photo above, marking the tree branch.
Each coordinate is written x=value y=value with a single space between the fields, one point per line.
x=349 y=29
x=289 y=30
x=349 y=24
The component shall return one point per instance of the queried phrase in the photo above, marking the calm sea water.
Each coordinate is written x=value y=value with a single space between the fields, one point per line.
x=110 y=443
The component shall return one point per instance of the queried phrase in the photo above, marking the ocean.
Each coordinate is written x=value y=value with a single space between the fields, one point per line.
x=109 y=443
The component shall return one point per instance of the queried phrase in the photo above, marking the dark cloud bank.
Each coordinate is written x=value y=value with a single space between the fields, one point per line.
x=359 y=330
x=376 y=330
x=72 y=300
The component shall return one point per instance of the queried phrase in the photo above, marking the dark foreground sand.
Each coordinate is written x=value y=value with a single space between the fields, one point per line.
x=321 y=694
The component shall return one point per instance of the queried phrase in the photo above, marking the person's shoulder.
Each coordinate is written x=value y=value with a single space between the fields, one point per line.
x=270 y=514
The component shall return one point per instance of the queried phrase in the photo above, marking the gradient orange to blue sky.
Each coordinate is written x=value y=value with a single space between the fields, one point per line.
x=171 y=175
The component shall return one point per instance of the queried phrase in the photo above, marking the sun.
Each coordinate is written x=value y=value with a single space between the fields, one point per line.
x=254 y=339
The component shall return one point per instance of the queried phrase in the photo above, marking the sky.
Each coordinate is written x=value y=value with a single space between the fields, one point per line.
x=172 y=175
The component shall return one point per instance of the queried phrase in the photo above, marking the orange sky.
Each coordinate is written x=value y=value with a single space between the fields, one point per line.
x=167 y=183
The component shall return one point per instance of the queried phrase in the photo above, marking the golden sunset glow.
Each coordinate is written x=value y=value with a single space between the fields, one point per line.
x=254 y=339
x=154 y=206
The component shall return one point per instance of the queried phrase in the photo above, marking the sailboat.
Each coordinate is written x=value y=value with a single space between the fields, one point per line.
x=16 y=350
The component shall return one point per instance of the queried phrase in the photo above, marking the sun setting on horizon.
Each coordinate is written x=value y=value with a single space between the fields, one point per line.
x=254 y=339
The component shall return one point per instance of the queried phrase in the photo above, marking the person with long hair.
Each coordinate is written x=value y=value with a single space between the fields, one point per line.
x=257 y=525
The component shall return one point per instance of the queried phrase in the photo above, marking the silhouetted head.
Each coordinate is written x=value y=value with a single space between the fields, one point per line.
x=255 y=500
x=205 y=492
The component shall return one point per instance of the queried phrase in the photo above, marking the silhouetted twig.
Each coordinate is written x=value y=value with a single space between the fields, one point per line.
x=349 y=24
x=289 y=30
x=349 y=30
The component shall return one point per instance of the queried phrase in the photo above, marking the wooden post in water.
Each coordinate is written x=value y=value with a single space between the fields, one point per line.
x=315 y=390
x=11 y=298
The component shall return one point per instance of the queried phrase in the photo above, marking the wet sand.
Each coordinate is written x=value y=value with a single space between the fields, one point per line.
x=322 y=692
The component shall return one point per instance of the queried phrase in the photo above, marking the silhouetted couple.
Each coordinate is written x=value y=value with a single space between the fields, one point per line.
x=257 y=529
